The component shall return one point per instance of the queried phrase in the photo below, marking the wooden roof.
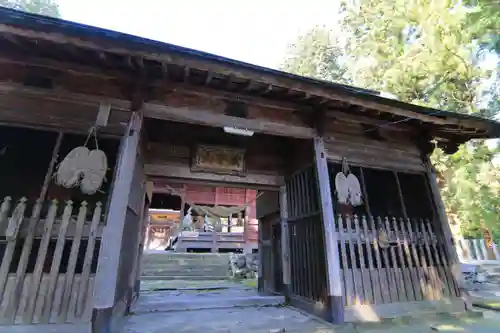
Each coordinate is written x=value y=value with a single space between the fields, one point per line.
x=59 y=45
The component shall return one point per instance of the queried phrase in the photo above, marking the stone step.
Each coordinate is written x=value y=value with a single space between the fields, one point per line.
x=184 y=273
x=181 y=267
x=171 y=304
x=179 y=255
x=183 y=277
x=184 y=262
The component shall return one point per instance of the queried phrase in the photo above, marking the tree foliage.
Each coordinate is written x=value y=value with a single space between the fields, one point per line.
x=42 y=7
x=424 y=52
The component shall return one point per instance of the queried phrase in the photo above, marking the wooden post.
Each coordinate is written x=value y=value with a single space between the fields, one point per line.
x=260 y=279
x=134 y=281
x=331 y=237
x=52 y=165
x=106 y=277
x=448 y=236
x=285 y=244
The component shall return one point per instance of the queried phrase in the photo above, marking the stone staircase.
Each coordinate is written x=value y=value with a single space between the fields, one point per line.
x=192 y=293
x=163 y=265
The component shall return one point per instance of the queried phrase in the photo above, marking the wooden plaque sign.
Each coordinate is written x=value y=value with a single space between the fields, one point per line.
x=219 y=159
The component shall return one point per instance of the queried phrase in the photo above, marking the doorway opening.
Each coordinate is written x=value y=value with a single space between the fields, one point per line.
x=164 y=222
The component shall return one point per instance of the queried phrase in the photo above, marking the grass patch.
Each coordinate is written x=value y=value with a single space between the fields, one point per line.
x=250 y=283
x=493 y=305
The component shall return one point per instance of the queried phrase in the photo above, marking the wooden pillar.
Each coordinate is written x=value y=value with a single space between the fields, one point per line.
x=147 y=241
x=331 y=237
x=285 y=241
x=260 y=256
x=106 y=278
x=448 y=236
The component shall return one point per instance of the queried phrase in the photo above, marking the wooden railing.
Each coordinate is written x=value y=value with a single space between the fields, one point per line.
x=476 y=249
x=212 y=241
x=388 y=260
x=48 y=265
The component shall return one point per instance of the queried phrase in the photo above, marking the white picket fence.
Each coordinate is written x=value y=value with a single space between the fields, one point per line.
x=475 y=249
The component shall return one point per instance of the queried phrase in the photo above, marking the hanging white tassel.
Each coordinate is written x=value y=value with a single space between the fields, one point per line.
x=83 y=167
x=355 y=196
x=342 y=188
x=94 y=173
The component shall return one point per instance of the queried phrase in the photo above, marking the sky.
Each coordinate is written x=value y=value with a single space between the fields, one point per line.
x=257 y=32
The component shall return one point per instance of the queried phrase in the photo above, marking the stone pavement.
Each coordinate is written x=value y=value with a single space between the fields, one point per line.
x=286 y=319
x=268 y=319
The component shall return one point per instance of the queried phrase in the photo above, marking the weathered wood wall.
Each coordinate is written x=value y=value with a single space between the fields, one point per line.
x=47 y=109
x=171 y=148
x=384 y=147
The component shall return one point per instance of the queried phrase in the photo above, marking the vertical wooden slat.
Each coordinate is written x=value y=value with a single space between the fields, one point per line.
x=15 y=296
x=83 y=297
x=446 y=282
x=299 y=234
x=460 y=249
x=285 y=238
x=294 y=258
x=477 y=252
x=405 y=271
x=436 y=284
x=40 y=261
x=382 y=273
x=483 y=248
x=309 y=258
x=416 y=259
x=374 y=274
x=396 y=272
x=391 y=279
x=293 y=197
x=354 y=269
x=4 y=213
x=439 y=277
x=420 y=261
x=346 y=271
x=454 y=287
x=302 y=204
x=412 y=265
x=466 y=248
x=496 y=252
x=365 y=274
x=447 y=235
x=16 y=218
x=56 y=262
x=73 y=257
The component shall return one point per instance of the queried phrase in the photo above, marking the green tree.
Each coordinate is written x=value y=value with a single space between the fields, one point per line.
x=424 y=52
x=42 y=7
x=316 y=54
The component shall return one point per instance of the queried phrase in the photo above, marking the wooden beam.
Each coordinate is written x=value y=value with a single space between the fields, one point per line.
x=184 y=172
x=220 y=67
x=107 y=73
x=204 y=117
x=65 y=96
x=204 y=182
x=331 y=236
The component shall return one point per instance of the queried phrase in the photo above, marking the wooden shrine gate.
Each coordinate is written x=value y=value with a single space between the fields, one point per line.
x=305 y=236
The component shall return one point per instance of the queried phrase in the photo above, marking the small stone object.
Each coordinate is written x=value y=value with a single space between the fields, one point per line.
x=244 y=266
x=277 y=330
